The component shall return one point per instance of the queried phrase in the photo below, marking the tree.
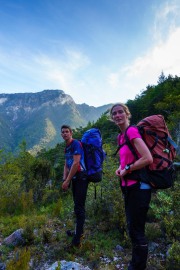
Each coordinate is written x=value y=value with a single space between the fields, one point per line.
x=161 y=78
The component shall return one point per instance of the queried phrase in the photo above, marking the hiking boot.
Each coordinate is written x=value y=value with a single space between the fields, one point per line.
x=76 y=244
x=72 y=234
x=130 y=267
x=76 y=241
x=73 y=246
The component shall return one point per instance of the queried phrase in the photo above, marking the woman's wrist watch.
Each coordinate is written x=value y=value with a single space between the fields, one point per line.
x=128 y=167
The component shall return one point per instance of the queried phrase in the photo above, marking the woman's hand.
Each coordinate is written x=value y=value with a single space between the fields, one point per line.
x=123 y=172
x=118 y=172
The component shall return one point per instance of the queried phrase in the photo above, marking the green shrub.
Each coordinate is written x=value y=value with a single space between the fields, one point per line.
x=50 y=196
x=173 y=258
x=165 y=206
x=153 y=231
x=20 y=260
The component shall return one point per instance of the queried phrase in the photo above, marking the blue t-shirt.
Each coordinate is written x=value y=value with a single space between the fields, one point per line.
x=74 y=148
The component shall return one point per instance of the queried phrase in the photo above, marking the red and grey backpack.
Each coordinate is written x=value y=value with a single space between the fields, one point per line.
x=160 y=174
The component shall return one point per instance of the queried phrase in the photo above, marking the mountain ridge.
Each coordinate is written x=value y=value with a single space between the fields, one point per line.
x=36 y=118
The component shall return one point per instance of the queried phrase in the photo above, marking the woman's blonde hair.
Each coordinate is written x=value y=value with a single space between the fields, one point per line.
x=125 y=108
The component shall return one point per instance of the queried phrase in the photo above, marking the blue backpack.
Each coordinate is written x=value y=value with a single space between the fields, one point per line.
x=94 y=154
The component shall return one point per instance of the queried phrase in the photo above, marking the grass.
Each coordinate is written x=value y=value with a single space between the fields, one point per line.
x=46 y=240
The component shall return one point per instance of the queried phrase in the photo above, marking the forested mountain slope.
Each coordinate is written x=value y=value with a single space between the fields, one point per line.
x=37 y=117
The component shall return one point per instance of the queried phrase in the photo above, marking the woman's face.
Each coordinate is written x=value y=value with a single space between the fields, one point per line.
x=119 y=115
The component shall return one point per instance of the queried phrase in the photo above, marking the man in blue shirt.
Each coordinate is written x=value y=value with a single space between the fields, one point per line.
x=74 y=172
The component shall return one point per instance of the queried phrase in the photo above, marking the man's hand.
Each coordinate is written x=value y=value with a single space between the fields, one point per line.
x=65 y=185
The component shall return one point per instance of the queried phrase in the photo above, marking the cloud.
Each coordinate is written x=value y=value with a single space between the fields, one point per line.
x=63 y=72
x=40 y=70
x=163 y=56
x=145 y=69
x=166 y=19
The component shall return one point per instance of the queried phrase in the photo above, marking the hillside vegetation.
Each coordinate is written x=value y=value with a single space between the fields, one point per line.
x=36 y=118
x=31 y=198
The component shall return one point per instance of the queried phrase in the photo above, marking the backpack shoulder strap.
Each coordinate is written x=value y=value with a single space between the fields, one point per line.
x=172 y=143
x=128 y=142
x=119 y=145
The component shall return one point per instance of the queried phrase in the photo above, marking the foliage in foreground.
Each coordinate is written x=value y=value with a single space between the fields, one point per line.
x=45 y=226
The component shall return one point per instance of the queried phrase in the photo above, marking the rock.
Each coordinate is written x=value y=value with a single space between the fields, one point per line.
x=2 y=266
x=153 y=246
x=15 y=239
x=119 y=248
x=68 y=266
x=168 y=249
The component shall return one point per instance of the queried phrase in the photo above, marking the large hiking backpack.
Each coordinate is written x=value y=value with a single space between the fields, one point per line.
x=94 y=154
x=160 y=174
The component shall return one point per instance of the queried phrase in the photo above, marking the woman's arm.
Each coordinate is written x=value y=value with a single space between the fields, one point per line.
x=144 y=160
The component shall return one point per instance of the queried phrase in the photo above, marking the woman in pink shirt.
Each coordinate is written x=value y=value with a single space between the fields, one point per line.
x=137 y=194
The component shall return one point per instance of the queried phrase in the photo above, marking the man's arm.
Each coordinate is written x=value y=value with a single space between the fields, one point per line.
x=66 y=171
x=72 y=172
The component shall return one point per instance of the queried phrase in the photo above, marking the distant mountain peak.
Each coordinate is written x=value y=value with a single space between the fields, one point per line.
x=23 y=116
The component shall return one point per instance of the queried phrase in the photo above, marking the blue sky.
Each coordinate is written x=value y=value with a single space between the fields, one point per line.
x=97 y=51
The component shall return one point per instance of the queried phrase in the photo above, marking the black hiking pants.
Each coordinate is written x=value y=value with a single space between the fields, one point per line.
x=79 y=190
x=136 y=207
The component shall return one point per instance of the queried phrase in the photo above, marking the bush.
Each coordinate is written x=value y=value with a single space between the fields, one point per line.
x=20 y=260
x=173 y=258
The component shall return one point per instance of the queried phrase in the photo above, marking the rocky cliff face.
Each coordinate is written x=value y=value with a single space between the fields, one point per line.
x=36 y=118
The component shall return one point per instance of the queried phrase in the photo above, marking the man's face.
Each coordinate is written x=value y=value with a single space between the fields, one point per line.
x=66 y=134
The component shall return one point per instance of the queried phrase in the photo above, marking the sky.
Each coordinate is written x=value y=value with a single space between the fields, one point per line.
x=97 y=51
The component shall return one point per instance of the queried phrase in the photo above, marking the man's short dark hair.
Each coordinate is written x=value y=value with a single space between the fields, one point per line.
x=66 y=126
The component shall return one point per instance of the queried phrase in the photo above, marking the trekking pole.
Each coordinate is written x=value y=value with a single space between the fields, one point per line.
x=95 y=191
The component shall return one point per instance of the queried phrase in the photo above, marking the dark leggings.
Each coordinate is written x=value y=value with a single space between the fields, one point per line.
x=136 y=207
x=79 y=189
